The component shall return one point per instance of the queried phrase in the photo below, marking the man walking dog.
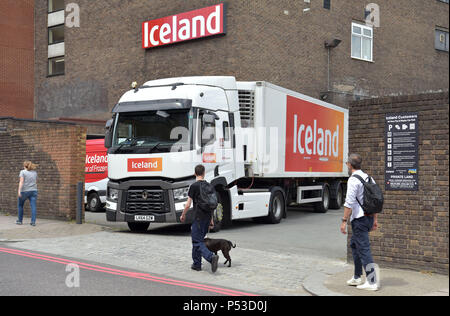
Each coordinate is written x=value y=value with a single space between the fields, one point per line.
x=362 y=223
x=202 y=221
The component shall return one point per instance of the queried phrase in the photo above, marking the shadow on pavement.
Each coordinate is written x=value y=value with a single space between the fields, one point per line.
x=393 y=282
x=185 y=229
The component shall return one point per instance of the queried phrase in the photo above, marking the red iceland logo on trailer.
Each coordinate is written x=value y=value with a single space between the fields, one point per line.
x=96 y=164
x=187 y=26
x=314 y=137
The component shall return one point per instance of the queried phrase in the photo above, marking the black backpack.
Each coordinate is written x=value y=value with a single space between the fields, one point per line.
x=373 y=197
x=207 y=199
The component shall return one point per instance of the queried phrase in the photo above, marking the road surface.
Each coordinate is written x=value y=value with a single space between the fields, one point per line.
x=31 y=274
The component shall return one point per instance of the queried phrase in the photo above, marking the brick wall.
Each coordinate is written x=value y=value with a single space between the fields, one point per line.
x=413 y=230
x=17 y=58
x=58 y=149
x=271 y=40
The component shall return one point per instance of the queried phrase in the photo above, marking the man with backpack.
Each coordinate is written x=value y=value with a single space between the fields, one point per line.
x=363 y=202
x=205 y=201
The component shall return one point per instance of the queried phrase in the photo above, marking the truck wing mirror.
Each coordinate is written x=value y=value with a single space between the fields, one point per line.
x=209 y=118
x=109 y=133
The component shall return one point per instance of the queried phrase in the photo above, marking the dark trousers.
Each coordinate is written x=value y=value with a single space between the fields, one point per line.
x=360 y=245
x=199 y=229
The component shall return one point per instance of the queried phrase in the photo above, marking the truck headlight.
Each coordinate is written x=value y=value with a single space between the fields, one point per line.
x=113 y=194
x=181 y=194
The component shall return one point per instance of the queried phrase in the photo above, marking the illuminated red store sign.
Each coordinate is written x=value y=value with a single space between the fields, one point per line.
x=187 y=26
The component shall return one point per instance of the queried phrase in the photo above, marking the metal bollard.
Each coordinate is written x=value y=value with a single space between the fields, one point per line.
x=80 y=200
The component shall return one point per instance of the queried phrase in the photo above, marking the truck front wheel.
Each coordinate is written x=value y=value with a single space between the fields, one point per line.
x=218 y=215
x=94 y=203
x=138 y=227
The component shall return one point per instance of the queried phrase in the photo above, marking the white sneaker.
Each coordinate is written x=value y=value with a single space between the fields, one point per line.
x=355 y=282
x=368 y=287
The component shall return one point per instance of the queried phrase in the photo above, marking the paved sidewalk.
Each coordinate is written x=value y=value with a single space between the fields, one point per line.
x=394 y=282
x=10 y=232
x=255 y=271
x=264 y=271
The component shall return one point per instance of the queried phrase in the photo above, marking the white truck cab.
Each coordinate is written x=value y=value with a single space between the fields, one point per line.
x=163 y=129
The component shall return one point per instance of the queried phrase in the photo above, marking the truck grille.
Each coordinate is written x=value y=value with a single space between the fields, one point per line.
x=247 y=108
x=146 y=201
x=145 y=207
x=145 y=196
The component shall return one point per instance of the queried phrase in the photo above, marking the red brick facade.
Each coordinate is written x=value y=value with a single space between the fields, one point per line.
x=17 y=58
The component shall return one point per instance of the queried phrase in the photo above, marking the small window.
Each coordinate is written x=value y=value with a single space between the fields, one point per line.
x=441 y=40
x=55 y=5
x=362 y=42
x=56 y=34
x=226 y=131
x=327 y=4
x=208 y=132
x=56 y=66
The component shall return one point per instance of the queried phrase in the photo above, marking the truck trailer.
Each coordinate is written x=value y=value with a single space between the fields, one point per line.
x=264 y=148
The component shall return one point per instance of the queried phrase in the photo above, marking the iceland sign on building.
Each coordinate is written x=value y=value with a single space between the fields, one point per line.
x=182 y=27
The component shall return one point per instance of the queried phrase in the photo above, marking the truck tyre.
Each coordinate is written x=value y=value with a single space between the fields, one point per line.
x=337 y=193
x=276 y=207
x=227 y=220
x=218 y=215
x=138 y=227
x=322 y=207
x=94 y=204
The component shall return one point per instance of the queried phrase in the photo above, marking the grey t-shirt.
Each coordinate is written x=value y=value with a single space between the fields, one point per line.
x=29 y=180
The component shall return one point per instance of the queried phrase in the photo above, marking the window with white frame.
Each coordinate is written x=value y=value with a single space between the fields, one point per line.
x=362 y=42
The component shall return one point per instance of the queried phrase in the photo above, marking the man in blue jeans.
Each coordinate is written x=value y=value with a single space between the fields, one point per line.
x=202 y=222
x=362 y=225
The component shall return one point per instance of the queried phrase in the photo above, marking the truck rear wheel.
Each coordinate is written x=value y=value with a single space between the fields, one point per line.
x=322 y=207
x=138 y=227
x=276 y=208
x=337 y=200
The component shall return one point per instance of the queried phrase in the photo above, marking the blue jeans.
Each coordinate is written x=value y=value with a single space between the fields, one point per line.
x=32 y=196
x=360 y=244
x=199 y=229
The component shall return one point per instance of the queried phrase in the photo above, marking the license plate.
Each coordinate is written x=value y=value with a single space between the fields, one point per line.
x=142 y=218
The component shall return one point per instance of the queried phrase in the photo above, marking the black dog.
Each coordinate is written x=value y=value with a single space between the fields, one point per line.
x=215 y=245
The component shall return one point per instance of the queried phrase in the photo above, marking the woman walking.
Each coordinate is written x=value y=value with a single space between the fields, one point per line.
x=28 y=191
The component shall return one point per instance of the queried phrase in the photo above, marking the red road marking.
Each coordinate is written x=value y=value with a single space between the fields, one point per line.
x=129 y=274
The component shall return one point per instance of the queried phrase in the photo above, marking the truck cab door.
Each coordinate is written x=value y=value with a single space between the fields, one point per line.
x=225 y=150
x=216 y=144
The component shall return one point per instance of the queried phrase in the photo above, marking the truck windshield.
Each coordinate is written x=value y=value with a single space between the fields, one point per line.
x=153 y=132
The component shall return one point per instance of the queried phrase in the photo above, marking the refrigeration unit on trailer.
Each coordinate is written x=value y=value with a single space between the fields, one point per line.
x=264 y=148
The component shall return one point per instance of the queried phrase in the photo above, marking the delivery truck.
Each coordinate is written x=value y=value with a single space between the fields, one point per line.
x=264 y=148
x=96 y=175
